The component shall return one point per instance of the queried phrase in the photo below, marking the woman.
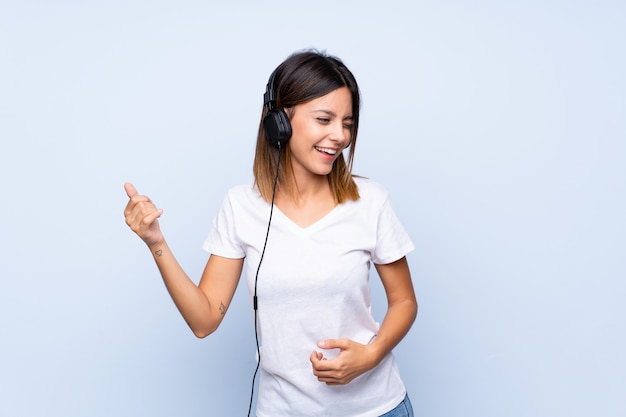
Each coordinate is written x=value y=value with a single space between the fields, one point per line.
x=307 y=268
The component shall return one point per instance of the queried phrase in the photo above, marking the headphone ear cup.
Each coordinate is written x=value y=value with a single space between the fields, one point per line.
x=277 y=127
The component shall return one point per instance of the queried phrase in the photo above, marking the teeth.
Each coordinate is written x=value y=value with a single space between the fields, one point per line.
x=327 y=150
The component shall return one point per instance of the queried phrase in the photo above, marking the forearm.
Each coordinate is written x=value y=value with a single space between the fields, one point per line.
x=191 y=302
x=401 y=307
x=396 y=324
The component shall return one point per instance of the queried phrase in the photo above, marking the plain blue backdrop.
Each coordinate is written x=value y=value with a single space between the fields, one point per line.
x=498 y=128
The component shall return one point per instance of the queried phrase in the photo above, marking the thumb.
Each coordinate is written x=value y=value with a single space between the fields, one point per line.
x=333 y=344
x=130 y=189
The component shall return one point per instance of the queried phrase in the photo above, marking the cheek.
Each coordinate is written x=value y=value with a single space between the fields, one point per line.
x=303 y=133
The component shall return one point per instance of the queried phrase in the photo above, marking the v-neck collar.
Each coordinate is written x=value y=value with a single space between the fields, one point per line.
x=310 y=228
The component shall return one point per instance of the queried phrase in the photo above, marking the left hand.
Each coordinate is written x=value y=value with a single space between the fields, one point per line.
x=353 y=360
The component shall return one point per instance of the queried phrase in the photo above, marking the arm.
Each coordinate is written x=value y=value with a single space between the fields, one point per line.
x=202 y=306
x=354 y=358
x=401 y=306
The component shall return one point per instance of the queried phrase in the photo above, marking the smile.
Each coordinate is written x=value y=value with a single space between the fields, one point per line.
x=327 y=150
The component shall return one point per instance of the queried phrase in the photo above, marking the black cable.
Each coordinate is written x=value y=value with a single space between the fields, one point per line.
x=256 y=278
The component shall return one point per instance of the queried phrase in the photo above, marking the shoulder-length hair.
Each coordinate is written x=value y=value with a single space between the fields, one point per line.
x=304 y=76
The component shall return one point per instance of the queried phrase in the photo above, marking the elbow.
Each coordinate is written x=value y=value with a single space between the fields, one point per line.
x=412 y=311
x=200 y=334
x=203 y=331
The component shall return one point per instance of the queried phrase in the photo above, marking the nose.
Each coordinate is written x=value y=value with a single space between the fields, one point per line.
x=340 y=134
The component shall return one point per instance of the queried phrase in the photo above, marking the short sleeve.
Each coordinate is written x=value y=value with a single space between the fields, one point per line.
x=392 y=240
x=222 y=239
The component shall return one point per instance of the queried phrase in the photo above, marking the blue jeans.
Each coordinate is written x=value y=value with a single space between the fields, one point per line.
x=404 y=409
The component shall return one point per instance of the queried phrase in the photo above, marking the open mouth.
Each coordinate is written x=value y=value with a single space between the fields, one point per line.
x=328 y=151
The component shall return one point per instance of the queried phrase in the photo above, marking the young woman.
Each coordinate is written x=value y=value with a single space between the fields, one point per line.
x=309 y=230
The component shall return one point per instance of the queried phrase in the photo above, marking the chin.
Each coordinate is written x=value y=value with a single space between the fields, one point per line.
x=324 y=172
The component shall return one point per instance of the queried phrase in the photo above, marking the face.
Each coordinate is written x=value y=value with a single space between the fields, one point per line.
x=320 y=131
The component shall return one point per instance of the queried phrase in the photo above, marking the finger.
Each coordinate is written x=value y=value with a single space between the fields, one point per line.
x=150 y=218
x=316 y=357
x=333 y=344
x=324 y=367
x=130 y=189
x=317 y=361
x=137 y=202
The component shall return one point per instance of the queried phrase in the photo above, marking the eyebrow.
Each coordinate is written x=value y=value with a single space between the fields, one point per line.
x=330 y=113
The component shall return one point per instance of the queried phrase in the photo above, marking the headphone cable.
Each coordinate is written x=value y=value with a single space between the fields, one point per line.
x=256 y=278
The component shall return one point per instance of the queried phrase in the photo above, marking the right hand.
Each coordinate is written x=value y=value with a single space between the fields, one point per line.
x=141 y=216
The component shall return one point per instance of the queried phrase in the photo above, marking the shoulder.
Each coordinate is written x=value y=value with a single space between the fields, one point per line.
x=240 y=197
x=370 y=190
x=243 y=204
x=243 y=192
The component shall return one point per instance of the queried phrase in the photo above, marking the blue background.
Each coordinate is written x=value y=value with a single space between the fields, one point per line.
x=498 y=128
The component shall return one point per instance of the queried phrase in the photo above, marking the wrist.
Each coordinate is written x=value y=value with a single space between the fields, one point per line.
x=157 y=248
x=376 y=353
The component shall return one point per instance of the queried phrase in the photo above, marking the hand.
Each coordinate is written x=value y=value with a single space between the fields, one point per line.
x=141 y=216
x=353 y=360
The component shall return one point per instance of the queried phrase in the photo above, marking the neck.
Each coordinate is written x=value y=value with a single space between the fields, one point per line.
x=309 y=188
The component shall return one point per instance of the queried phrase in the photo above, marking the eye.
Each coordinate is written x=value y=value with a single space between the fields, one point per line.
x=323 y=120
x=347 y=125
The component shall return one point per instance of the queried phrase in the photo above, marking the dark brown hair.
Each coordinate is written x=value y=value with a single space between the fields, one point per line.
x=304 y=76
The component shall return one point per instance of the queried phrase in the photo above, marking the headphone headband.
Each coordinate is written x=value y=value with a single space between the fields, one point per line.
x=269 y=98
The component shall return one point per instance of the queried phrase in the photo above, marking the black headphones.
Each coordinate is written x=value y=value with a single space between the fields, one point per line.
x=276 y=122
x=278 y=131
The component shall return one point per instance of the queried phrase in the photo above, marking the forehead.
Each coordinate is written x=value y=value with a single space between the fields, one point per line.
x=338 y=101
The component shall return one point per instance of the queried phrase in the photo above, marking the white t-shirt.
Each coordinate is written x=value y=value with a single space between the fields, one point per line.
x=314 y=285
